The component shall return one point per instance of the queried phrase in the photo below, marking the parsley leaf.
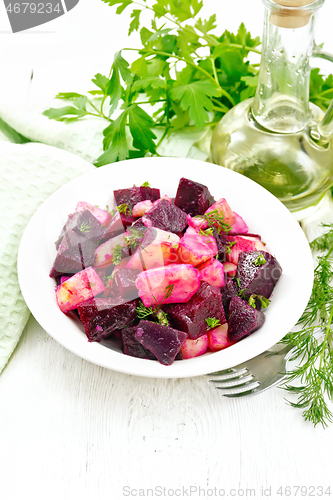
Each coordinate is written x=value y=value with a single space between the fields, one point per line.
x=140 y=125
x=195 y=98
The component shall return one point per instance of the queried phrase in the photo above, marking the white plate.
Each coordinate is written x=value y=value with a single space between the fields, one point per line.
x=263 y=213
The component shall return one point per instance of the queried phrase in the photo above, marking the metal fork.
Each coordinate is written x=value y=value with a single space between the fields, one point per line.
x=258 y=374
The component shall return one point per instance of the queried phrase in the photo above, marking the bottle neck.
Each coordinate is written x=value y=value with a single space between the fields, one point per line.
x=281 y=103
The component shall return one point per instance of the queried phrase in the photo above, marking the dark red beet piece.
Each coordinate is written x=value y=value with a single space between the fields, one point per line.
x=127 y=220
x=74 y=254
x=192 y=197
x=228 y=291
x=222 y=242
x=100 y=316
x=132 y=347
x=138 y=223
x=133 y=195
x=243 y=319
x=85 y=224
x=254 y=277
x=165 y=215
x=113 y=227
x=164 y=342
x=123 y=284
x=191 y=316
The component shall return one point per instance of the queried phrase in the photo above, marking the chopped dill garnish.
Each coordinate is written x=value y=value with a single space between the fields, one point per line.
x=144 y=312
x=263 y=301
x=260 y=261
x=229 y=246
x=168 y=291
x=117 y=254
x=84 y=228
x=206 y=232
x=145 y=184
x=215 y=220
x=212 y=323
x=123 y=209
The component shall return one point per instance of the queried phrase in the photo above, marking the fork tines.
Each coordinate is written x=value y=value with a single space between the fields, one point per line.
x=235 y=382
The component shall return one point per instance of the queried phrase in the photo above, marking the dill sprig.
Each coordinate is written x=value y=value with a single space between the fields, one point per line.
x=314 y=369
x=84 y=228
x=144 y=312
x=117 y=254
x=215 y=220
x=212 y=323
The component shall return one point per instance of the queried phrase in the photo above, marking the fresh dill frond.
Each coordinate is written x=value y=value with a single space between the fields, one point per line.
x=143 y=311
x=145 y=184
x=314 y=370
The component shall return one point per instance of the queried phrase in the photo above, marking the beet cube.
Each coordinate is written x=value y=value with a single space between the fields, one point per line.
x=74 y=254
x=222 y=242
x=85 y=224
x=133 y=195
x=165 y=215
x=243 y=319
x=192 y=197
x=190 y=317
x=127 y=220
x=100 y=316
x=228 y=291
x=132 y=347
x=164 y=342
x=113 y=227
x=257 y=273
x=123 y=284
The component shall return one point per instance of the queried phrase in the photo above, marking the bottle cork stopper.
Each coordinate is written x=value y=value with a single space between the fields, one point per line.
x=291 y=18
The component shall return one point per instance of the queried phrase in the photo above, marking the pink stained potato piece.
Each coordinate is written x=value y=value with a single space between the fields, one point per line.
x=104 y=253
x=217 y=338
x=212 y=272
x=142 y=207
x=158 y=248
x=167 y=284
x=239 y=226
x=224 y=210
x=196 y=222
x=230 y=268
x=195 y=248
x=102 y=215
x=84 y=285
x=243 y=244
x=194 y=348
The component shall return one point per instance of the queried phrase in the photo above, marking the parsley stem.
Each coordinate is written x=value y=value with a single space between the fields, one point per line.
x=222 y=107
x=214 y=71
x=163 y=136
x=249 y=49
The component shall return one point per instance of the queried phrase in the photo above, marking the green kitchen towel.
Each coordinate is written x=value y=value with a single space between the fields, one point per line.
x=29 y=174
